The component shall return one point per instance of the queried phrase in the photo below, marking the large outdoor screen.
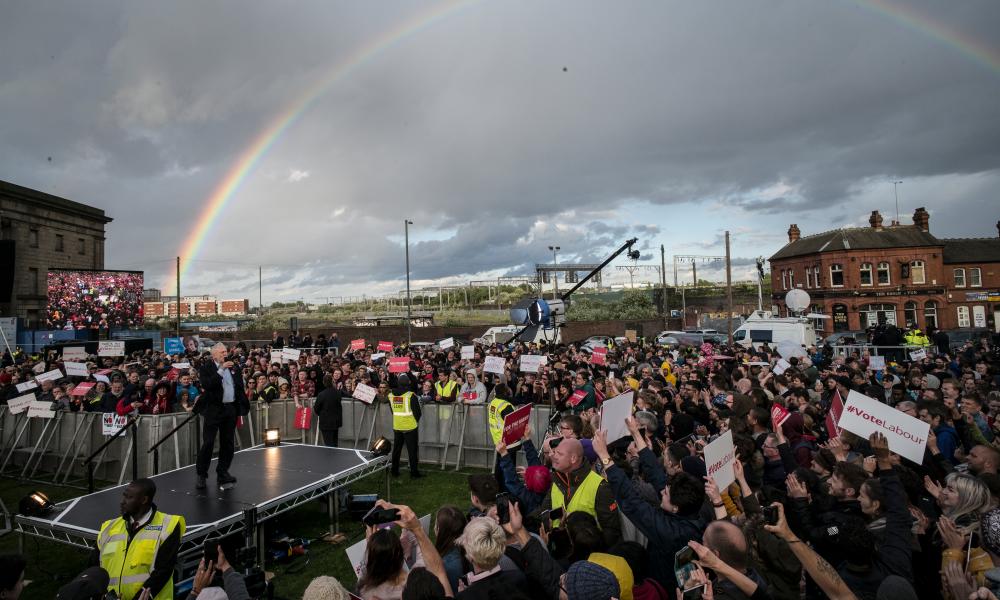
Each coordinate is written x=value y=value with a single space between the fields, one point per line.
x=93 y=299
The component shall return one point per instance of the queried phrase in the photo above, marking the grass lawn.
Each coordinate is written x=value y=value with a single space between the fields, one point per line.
x=50 y=565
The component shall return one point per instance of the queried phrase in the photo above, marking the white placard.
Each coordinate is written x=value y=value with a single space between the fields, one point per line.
x=789 y=350
x=27 y=385
x=39 y=368
x=365 y=393
x=907 y=435
x=76 y=353
x=356 y=554
x=530 y=363
x=918 y=355
x=614 y=411
x=425 y=522
x=20 y=404
x=111 y=348
x=41 y=409
x=291 y=354
x=52 y=375
x=377 y=356
x=468 y=352
x=876 y=363
x=100 y=377
x=76 y=369
x=446 y=343
x=720 y=457
x=181 y=366
x=276 y=356
x=111 y=423
x=781 y=366
x=494 y=364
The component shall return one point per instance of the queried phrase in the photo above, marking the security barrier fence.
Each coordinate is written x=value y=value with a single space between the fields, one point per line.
x=53 y=450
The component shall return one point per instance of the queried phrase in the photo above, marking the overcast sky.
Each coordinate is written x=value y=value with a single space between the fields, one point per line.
x=499 y=128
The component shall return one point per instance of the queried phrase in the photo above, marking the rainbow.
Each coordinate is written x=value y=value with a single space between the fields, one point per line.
x=265 y=140
x=975 y=50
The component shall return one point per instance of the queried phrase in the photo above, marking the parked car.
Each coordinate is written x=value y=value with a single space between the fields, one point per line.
x=598 y=340
x=684 y=338
x=959 y=337
x=845 y=338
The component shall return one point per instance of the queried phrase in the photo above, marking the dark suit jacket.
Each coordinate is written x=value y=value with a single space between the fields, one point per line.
x=329 y=409
x=210 y=400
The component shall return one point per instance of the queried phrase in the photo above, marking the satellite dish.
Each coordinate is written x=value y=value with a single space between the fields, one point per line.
x=797 y=300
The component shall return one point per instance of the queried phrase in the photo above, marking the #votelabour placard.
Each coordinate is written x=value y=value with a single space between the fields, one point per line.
x=907 y=436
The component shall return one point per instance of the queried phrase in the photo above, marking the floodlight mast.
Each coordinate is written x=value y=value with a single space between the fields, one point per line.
x=634 y=254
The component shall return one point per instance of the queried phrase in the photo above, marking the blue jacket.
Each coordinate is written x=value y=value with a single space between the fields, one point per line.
x=947 y=440
x=528 y=500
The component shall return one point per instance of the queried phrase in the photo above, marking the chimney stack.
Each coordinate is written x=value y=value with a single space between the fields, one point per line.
x=794 y=234
x=921 y=218
x=875 y=221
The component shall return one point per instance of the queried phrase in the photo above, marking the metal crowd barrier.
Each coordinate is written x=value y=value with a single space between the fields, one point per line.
x=51 y=451
x=860 y=349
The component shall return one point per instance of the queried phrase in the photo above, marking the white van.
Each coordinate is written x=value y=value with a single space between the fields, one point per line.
x=762 y=327
x=503 y=334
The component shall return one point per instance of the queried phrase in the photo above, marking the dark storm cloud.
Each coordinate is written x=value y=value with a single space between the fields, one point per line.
x=488 y=128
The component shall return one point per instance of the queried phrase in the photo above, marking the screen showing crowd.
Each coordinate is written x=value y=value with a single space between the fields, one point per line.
x=92 y=299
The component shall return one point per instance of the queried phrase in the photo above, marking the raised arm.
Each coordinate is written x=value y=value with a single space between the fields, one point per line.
x=825 y=576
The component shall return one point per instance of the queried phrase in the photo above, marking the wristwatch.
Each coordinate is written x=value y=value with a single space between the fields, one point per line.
x=607 y=462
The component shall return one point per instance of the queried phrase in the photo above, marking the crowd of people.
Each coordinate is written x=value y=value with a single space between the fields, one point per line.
x=582 y=517
x=94 y=299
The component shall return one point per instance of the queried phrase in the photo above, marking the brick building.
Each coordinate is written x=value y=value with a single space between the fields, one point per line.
x=192 y=306
x=901 y=272
x=40 y=232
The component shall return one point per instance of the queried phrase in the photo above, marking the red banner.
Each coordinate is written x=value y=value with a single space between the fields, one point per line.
x=577 y=397
x=778 y=415
x=400 y=364
x=385 y=346
x=303 y=417
x=833 y=417
x=81 y=389
x=515 y=423
x=600 y=356
x=357 y=344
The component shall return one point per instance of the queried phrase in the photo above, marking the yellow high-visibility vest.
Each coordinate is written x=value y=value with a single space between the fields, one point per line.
x=496 y=408
x=446 y=389
x=584 y=499
x=402 y=413
x=129 y=563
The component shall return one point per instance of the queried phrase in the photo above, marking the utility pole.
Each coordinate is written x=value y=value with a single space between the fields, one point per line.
x=729 y=293
x=406 y=241
x=663 y=283
x=178 y=296
x=555 y=274
x=260 y=287
x=895 y=191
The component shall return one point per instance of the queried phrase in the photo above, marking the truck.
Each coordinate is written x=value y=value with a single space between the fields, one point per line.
x=762 y=327
x=504 y=333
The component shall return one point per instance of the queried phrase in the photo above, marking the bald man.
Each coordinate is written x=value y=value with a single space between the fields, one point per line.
x=983 y=459
x=727 y=541
x=577 y=488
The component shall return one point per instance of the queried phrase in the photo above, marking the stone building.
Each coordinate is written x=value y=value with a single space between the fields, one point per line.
x=901 y=272
x=40 y=232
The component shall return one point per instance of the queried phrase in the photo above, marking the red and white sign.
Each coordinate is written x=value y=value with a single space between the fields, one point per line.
x=365 y=393
x=399 y=364
x=577 y=397
x=358 y=344
x=383 y=346
x=833 y=417
x=530 y=363
x=720 y=457
x=20 y=404
x=77 y=353
x=76 y=369
x=52 y=375
x=779 y=414
x=81 y=389
x=907 y=435
x=27 y=385
x=515 y=423
x=303 y=417
x=600 y=356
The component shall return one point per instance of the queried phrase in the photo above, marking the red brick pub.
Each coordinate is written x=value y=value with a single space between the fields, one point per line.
x=902 y=272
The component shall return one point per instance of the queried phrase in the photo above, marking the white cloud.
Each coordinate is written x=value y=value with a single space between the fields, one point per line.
x=296 y=175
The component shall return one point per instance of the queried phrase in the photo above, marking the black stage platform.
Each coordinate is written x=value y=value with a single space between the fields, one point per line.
x=271 y=480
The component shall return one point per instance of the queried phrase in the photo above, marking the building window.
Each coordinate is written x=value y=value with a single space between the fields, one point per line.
x=910 y=313
x=883 y=273
x=836 y=275
x=33 y=238
x=917 y=272
x=33 y=281
x=784 y=279
x=59 y=243
x=963 y=315
x=809 y=277
x=866 y=273
x=791 y=278
x=81 y=246
x=959 y=277
x=872 y=313
x=975 y=277
x=930 y=314
x=816 y=277
x=818 y=324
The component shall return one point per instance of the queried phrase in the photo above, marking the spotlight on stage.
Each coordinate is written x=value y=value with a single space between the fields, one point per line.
x=35 y=504
x=381 y=447
x=272 y=437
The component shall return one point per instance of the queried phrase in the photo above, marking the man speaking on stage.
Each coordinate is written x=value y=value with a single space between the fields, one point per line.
x=222 y=400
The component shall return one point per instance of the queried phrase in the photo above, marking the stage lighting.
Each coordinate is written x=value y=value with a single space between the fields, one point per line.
x=381 y=447
x=35 y=504
x=272 y=437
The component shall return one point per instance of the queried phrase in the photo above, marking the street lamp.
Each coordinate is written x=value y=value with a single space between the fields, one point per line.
x=555 y=274
x=895 y=191
x=406 y=241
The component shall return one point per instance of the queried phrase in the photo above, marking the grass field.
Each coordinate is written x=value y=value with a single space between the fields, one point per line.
x=50 y=565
